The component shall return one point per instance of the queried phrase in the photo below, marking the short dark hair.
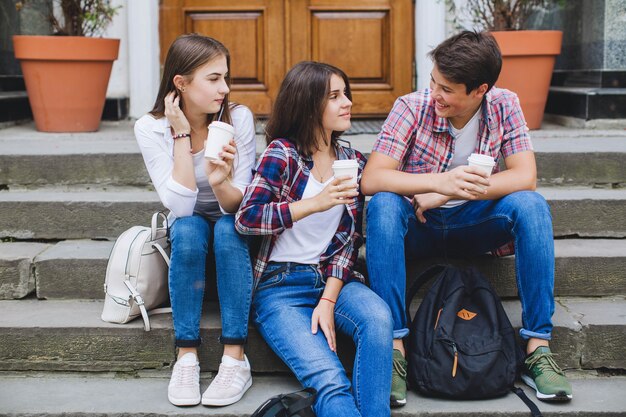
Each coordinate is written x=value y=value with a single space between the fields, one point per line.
x=299 y=107
x=470 y=58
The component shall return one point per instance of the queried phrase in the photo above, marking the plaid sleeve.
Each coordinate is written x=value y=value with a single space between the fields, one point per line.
x=340 y=265
x=516 y=137
x=261 y=212
x=395 y=135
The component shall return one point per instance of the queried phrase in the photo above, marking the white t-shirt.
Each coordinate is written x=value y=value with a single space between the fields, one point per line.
x=309 y=237
x=465 y=142
x=154 y=137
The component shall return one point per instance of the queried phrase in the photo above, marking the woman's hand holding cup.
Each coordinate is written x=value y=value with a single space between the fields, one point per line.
x=336 y=192
x=218 y=170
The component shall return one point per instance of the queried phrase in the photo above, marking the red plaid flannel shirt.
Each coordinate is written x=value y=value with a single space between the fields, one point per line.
x=279 y=179
x=420 y=140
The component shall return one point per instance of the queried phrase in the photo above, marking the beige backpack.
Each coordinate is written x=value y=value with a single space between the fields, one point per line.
x=136 y=276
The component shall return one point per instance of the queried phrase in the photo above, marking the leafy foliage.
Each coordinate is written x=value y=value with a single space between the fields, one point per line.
x=497 y=15
x=79 y=17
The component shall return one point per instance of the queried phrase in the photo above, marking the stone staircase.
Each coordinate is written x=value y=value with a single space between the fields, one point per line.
x=65 y=197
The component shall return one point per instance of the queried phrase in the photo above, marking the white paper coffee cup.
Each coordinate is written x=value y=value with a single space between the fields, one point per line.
x=220 y=134
x=484 y=162
x=343 y=167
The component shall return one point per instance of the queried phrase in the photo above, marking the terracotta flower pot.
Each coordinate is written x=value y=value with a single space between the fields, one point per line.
x=66 y=79
x=527 y=62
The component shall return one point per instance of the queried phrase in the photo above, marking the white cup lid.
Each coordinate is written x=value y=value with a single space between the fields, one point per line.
x=222 y=125
x=347 y=163
x=481 y=159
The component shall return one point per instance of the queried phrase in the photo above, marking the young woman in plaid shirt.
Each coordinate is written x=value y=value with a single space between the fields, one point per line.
x=311 y=228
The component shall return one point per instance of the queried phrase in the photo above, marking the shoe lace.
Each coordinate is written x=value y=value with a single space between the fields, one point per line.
x=186 y=375
x=399 y=368
x=544 y=362
x=225 y=375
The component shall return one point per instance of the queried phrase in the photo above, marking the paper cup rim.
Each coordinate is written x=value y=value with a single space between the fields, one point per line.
x=222 y=125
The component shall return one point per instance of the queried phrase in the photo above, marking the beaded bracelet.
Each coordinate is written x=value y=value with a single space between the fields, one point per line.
x=181 y=135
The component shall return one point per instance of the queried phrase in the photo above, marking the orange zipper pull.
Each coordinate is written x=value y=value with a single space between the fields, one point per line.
x=456 y=361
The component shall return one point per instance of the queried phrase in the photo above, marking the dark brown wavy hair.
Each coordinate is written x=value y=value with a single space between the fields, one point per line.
x=186 y=54
x=299 y=108
x=470 y=58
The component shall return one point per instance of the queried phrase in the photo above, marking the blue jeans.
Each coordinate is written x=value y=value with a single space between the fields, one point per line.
x=283 y=305
x=191 y=239
x=394 y=235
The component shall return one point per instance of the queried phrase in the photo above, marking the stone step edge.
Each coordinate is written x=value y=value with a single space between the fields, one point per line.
x=69 y=335
x=80 y=265
x=79 y=395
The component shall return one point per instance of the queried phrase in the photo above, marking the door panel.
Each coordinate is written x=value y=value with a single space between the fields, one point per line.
x=371 y=40
x=251 y=30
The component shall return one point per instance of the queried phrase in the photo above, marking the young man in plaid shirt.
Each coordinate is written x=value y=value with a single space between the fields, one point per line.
x=427 y=202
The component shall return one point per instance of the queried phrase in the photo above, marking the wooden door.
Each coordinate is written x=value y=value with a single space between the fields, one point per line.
x=371 y=40
x=253 y=32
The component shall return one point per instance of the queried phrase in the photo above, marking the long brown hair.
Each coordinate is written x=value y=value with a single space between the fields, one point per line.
x=186 y=54
x=299 y=108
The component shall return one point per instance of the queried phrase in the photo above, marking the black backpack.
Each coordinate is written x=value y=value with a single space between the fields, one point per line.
x=294 y=404
x=461 y=343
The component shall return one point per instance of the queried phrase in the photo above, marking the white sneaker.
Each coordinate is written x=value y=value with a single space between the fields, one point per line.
x=184 y=387
x=230 y=383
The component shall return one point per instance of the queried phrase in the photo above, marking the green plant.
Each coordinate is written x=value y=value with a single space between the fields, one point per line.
x=78 y=17
x=500 y=15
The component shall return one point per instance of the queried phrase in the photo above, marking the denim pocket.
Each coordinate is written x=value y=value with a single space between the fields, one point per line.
x=273 y=275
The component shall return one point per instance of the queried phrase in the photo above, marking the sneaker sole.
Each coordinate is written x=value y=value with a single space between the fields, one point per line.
x=184 y=401
x=560 y=397
x=227 y=401
x=396 y=403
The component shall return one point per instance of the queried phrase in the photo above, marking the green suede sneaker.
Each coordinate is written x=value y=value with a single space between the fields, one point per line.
x=545 y=377
x=398 y=380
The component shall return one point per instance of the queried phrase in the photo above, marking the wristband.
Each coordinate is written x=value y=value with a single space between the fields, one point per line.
x=182 y=135
x=328 y=299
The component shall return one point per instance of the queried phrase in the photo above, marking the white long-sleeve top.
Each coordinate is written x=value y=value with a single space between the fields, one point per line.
x=155 y=141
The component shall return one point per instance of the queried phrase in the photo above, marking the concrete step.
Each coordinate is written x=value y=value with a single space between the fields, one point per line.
x=105 y=213
x=75 y=269
x=69 y=336
x=146 y=395
x=111 y=156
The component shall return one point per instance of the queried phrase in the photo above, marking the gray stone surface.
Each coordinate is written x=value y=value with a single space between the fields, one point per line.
x=17 y=275
x=111 y=156
x=73 y=269
x=582 y=268
x=55 y=214
x=69 y=335
x=115 y=395
x=76 y=269
x=58 y=214
x=615 y=35
x=604 y=326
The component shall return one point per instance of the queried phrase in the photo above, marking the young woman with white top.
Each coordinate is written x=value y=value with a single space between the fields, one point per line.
x=311 y=228
x=202 y=196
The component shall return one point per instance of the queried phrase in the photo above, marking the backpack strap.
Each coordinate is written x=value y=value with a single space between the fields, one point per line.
x=419 y=282
x=139 y=300
x=301 y=403
x=534 y=410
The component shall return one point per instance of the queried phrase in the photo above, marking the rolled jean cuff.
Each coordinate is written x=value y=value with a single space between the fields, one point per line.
x=527 y=334
x=400 y=334
x=232 y=340
x=188 y=343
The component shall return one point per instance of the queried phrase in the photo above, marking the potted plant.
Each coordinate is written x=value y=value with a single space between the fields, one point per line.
x=67 y=74
x=528 y=55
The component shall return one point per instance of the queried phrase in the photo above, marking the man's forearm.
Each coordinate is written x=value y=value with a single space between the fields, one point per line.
x=402 y=183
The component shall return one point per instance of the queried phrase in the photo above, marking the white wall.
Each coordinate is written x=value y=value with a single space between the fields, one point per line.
x=118 y=83
x=135 y=74
x=430 y=30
